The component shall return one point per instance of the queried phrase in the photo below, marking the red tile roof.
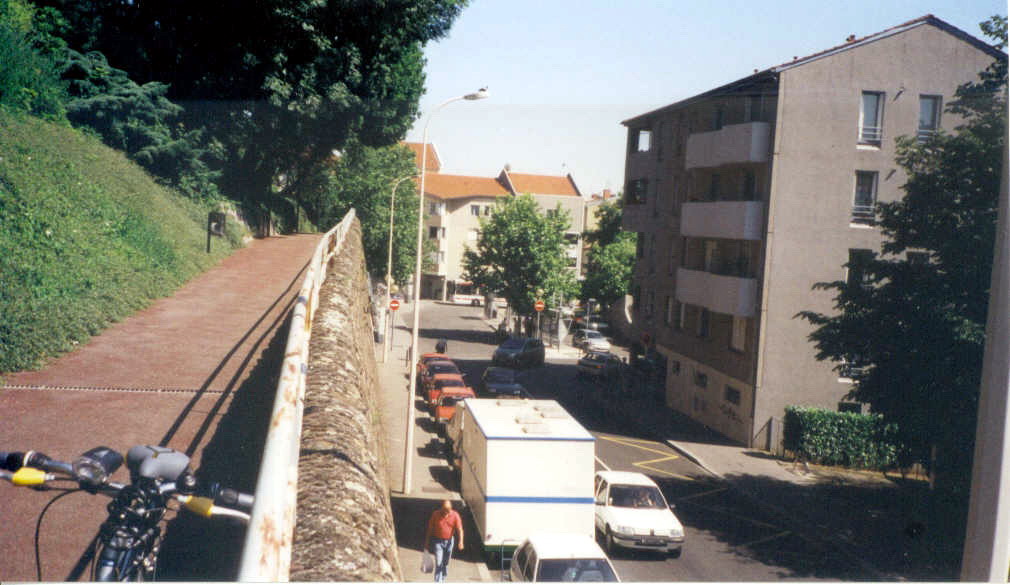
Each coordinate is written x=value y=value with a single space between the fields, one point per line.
x=433 y=164
x=460 y=186
x=541 y=184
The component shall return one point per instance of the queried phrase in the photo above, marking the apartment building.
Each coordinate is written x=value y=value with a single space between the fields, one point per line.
x=746 y=195
x=455 y=204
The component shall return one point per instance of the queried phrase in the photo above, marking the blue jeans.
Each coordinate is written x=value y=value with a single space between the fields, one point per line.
x=442 y=548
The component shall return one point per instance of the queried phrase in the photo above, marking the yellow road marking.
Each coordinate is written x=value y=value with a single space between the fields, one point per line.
x=623 y=441
x=766 y=539
x=702 y=494
x=666 y=456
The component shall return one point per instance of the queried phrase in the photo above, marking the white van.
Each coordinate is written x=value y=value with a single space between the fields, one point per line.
x=561 y=557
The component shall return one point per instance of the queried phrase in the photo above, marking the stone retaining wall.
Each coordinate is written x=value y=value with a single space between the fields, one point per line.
x=344 y=529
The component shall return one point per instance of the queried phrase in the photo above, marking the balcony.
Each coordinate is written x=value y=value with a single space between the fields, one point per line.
x=730 y=295
x=732 y=220
x=738 y=143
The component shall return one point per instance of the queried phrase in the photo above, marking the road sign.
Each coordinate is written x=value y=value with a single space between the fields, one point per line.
x=394 y=304
x=539 y=306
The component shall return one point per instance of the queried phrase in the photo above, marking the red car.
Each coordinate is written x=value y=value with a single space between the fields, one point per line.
x=442 y=381
x=446 y=406
x=427 y=358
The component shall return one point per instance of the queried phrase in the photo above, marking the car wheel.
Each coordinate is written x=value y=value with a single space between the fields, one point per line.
x=609 y=544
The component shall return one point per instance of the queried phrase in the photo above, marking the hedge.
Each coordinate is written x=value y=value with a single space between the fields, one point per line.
x=840 y=438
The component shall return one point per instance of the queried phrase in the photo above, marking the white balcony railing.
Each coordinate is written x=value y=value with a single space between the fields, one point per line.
x=737 y=143
x=732 y=220
x=730 y=295
x=863 y=214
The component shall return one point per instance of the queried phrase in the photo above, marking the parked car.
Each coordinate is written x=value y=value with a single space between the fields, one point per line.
x=446 y=405
x=518 y=352
x=434 y=368
x=440 y=383
x=631 y=512
x=497 y=381
x=599 y=364
x=561 y=557
x=590 y=340
x=426 y=358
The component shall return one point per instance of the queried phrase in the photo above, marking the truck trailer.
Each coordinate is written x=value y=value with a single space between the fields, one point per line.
x=526 y=467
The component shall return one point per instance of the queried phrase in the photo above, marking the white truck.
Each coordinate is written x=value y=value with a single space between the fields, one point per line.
x=526 y=467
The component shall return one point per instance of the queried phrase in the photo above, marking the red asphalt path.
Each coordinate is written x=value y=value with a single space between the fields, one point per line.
x=167 y=375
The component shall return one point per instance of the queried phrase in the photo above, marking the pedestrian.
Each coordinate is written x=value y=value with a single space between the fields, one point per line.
x=441 y=345
x=439 y=537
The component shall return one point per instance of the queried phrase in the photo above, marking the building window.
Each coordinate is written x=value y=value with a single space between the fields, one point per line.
x=853 y=407
x=731 y=395
x=681 y=317
x=487 y=210
x=671 y=264
x=856 y=273
x=652 y=252
x=718 y=118
x=703 y=323
x=752 y=109
x=738 y=338
x=638 y=191
x=636 y=297
x=713 y=188
x=436 y=208
x=668 y=318
x=871 y=117
x=640 y=245
x=700 y=379
x=475 y=210
x=651 y=303
x=472 y=235
x=432 y=232
x=865 y=199
x=749 y=186
x=641 y=140
x=929 y=116
x=675 y=367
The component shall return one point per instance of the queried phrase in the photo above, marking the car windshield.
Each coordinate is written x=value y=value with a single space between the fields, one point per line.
x=512 y=344
x=451 y=400
x=442 y=368
x=575 y=570
x=450 y=383
x=593 y=335
x=636 y=496
x=501 y=376
x=597 y=357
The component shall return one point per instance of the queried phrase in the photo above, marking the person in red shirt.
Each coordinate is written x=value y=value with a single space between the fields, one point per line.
x=438 y=537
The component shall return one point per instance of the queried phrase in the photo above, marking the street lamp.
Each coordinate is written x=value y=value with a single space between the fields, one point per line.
x=408 y=445
x=389 y=266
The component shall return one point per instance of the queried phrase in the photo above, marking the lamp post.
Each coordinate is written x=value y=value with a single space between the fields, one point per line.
x=389 y=268
x=409 y=442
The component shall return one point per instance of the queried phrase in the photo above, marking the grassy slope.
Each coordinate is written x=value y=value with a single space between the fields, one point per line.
x=86 y=238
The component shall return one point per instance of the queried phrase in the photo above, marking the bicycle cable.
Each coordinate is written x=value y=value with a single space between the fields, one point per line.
x=38 y=528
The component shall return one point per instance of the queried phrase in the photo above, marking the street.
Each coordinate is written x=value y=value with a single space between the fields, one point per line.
x=728 y=537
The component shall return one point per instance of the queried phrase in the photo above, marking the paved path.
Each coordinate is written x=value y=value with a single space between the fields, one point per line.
x=195 y=371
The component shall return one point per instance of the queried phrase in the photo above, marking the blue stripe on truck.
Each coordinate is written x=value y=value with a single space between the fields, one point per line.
x=537 y=500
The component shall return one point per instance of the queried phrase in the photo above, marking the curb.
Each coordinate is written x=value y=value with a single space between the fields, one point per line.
x=693 y=458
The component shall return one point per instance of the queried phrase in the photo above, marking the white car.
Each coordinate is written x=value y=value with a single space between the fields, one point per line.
x=590 y=340
x=631 y=512
x=561 y=557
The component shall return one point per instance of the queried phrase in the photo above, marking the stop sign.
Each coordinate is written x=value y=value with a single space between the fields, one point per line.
x=394 y=304
x=539 y=306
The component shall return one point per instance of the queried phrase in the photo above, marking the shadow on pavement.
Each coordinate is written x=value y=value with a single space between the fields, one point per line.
x=200 y=549
x=412 y=518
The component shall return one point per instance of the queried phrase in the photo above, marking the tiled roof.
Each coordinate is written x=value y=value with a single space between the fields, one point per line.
x=773 y=72
x=542 y=184
x=433 y=164
x=459 y=186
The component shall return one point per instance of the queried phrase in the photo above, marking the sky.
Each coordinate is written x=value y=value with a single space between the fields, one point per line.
x=563 y=74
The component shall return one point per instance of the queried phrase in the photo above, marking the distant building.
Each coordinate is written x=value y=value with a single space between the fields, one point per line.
x=454 y=205
x=591 y=223
x=746 y=195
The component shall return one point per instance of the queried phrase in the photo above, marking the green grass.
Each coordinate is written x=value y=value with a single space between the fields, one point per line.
x=86 y=238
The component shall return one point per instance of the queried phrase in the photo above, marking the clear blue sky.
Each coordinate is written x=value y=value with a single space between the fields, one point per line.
x=564 y=73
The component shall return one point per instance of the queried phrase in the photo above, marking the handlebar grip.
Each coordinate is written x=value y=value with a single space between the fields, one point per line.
x=236 y=499
x=29 y=476
x=11 y=461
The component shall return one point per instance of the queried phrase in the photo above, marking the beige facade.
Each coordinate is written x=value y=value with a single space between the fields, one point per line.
x=747 y=195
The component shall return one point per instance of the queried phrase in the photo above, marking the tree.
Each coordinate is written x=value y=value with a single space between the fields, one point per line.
x=520 y=251
x=611 y=258
x=278 y=86
x=910 y=323
x=29 y=82
x=363 y=178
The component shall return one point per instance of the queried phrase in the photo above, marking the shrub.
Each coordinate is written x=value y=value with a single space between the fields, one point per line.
x=840 y=438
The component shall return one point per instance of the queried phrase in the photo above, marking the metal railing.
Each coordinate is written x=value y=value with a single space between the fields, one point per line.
x=863 y=214
x=266 y=555
x=870 y=134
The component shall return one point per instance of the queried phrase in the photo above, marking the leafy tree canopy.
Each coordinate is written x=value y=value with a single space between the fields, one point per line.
x=608 y=217
x=609 y=269
x=520 y=251
x=28 y=79
x=910 y=323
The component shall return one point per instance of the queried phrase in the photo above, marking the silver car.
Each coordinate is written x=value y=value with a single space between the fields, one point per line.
x=590 y=340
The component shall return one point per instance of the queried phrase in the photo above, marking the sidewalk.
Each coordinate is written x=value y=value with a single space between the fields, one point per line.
x=430 y=482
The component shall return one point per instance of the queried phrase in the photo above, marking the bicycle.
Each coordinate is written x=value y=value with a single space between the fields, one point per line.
x=128 y=542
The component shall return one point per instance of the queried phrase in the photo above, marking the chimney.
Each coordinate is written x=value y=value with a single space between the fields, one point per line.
x=850 y=38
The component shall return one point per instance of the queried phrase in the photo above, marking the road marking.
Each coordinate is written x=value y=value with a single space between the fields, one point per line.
x=646 y=464
x=702 y=494
x=604 y=465
x=766 y=539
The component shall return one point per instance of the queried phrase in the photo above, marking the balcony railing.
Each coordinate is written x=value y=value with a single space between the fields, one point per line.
x=734 y=144
x=734 y=220
x=730 y=295
x=925 y=134
x=863 y=215
x=870 y=134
